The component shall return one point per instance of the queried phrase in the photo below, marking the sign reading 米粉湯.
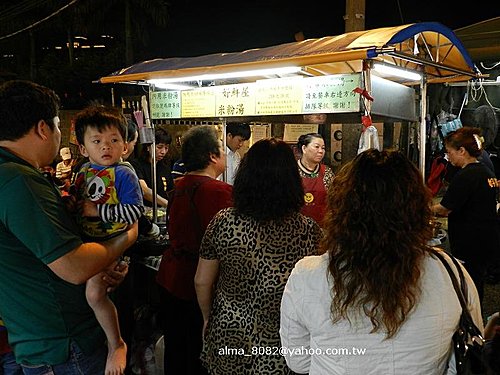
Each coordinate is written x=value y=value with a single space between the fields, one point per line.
x=234 y=100
x=327 y=94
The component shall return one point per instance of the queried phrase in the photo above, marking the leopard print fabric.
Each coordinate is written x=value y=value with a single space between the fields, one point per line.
x=255 y=260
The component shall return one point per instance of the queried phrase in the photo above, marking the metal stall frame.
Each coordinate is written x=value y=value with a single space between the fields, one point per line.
x=429 y=48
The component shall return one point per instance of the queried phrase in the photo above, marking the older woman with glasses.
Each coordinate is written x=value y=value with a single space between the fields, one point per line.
x=197 y=197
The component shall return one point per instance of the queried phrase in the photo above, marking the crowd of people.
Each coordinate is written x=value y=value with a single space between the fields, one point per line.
x=269 y=268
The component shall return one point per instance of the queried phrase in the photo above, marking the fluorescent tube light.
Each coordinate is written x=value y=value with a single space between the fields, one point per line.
x=246 y=73
x=398 y=72
x=172 y=86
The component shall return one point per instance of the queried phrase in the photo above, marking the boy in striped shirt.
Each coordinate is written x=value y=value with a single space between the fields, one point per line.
x=109 y=200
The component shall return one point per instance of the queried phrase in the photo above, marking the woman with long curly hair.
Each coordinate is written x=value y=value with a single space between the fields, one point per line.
x=376 y=301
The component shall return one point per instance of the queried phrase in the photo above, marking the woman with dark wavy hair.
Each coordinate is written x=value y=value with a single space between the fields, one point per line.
x=246 y=256
x=377 y=301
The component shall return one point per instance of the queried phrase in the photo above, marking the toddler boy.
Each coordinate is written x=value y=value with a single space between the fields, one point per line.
x=110 y=199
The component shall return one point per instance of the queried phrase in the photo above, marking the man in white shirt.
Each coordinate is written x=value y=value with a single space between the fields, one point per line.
x=64 y=168
x=236 y=135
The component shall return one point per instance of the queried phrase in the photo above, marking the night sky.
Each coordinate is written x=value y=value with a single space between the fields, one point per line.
x=204 y=27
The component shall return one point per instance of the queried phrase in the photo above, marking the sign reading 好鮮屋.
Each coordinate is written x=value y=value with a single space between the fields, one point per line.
x=235 y=100
x=327 y=94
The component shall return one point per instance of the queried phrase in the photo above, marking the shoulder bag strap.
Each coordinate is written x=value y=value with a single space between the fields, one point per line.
x=460 y=290
x=458 y=287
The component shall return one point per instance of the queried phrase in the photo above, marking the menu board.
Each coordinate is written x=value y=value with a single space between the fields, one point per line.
x=326 y=94
x=331 y=94
x=198 y=103
x=294 y=131
x=259 y=132
x=165 y=104
x=278 y=97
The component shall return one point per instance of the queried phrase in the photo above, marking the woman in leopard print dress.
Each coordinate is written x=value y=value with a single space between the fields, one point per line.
x=246 y=256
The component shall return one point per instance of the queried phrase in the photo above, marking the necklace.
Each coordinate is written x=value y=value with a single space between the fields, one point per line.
x=311 y=172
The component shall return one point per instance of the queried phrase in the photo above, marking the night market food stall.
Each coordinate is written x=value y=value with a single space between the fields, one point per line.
x=344 y=83
x=336 y=85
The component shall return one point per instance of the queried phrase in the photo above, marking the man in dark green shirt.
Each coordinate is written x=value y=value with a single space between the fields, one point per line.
x=44 y=263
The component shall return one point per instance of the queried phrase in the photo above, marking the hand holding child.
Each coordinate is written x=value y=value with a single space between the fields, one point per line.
x=89 y=209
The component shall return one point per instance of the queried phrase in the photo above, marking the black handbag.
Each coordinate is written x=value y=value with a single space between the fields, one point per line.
x=468 y=343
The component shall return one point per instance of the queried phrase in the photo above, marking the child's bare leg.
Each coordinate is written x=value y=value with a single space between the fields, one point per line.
x=107 y=316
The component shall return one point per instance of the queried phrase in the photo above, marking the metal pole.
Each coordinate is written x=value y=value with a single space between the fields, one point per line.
x=153 y=175
x=224 y=144
x=423 y=125
x=149 y=136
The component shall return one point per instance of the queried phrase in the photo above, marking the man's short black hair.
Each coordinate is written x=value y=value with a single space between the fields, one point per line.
x=198 y=144
x=162 y=136
x=22 y=105
x=238 y=128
